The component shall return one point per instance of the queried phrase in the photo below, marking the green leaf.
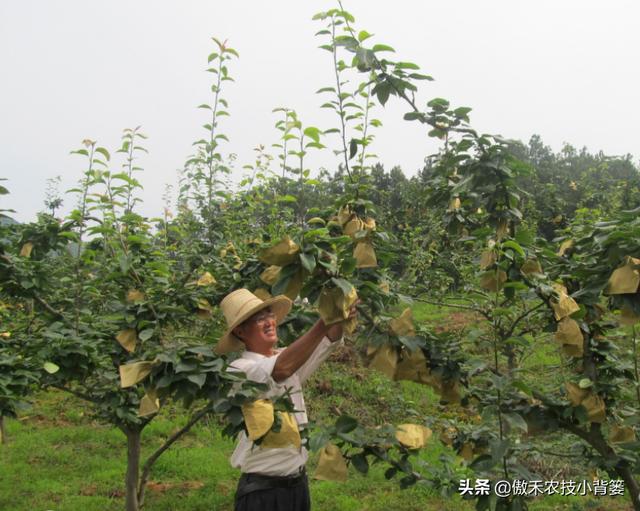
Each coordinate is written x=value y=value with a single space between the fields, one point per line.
x=515 y=246
x=382 y=47
x=313 y=133
x=346 y=424
x=585 y=383
x=363 y=35
x=482 y=463
x=522 y=386
x=499 y=448
x=308 y=261
x=125 y=263
x=516 y=421
x=407 y=65
x=462 y=111
x=420 y=76
x=318 y=441
x=342 y=284
x=286 y=274
x=50 y=367
x=524 y=236
x=364 y=59
x=346 y=15
x=360 y=463
x=346 y=41
x=198 y=379
x=438 y=104
x=145 y=335
x=412 y=116
x=103 y=152
x=353 y=148
x=382 y=91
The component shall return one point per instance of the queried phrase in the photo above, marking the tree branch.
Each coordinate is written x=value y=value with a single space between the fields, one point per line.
x=41 y=301
x=81 y=395
x=521 y=317
x=146 y=469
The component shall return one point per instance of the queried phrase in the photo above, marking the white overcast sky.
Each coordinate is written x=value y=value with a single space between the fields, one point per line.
x=73 y=69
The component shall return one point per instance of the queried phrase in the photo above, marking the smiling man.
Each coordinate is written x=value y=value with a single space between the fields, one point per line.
x=273 y=479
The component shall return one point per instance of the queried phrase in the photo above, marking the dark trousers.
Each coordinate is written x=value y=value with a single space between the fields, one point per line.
x=262 y=493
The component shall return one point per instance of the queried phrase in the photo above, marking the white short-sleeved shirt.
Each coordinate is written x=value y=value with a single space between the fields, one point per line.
x=259 y=368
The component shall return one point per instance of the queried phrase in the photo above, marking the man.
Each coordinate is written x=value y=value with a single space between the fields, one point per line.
x=273 y=478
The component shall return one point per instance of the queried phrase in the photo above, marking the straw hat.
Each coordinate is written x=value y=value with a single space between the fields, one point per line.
x=239 y=306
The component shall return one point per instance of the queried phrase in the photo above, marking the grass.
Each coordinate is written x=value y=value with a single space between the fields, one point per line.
x=60 y=459
x=54 y=464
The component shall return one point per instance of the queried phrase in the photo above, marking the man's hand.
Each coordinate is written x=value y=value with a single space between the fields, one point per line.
x=334 y=333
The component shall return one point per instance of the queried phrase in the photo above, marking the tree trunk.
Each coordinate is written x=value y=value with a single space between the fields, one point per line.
x=133 y=469
x=631 y=485
x=146 y=469
x=621 y=466
x=512 y=365
x=3 y=432
x=594 y=438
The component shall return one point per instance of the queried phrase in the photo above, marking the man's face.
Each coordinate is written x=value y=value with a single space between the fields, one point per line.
x=259 y=331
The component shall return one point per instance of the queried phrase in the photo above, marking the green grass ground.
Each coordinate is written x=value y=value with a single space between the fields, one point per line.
x=59 y=459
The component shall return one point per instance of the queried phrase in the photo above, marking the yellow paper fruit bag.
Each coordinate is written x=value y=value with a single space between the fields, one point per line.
x=128 y=339
x=570 y=337
x=288 y=436
x=271 y=275
x=258 y=417
x=134 y=295
x=281 y=254
x=575 y=393
x=628 y=317
x=412 y=366
x=206 y=279
x=493 y=280
x=626 y=279
x=149 y=404
x=331 y=465
x=488 y=259
x=26 y=249
x=595 y=407
x=565 y=305
x=295 y=284
x=413 y=436
x=334 y=305
x=621 y=434
x=403 y=324
x=531 y=267
x=365 y=255
x=385 y=360
x=130 y=374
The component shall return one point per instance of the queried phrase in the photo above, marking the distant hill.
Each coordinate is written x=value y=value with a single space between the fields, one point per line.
x=7 y=220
